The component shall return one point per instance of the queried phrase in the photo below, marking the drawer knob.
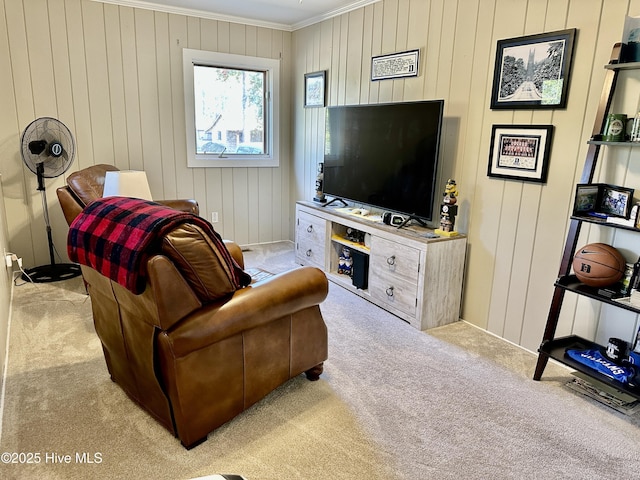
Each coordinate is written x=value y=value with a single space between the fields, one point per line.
x=391 y=260
x=309 y=253
x=389 y=291
x=310 y=228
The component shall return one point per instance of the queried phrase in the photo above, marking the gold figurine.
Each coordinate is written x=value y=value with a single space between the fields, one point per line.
x=448 y=210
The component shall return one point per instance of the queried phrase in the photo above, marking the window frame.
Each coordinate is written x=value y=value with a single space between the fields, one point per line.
x=271 y=67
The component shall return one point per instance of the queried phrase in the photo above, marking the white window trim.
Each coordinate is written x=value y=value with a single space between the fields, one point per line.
x=272 y=109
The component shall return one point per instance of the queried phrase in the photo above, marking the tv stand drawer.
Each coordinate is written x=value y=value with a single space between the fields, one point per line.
x=311 y=233
x=395 y=293
x=394 y=260
x=394 y=274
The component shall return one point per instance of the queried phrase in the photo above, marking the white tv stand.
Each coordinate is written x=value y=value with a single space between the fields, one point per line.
x=416 y=278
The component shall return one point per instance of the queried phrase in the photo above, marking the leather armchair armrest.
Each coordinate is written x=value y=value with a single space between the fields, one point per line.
x=250 y=307
x=173 y=297
x=235 y=251
x=189 y=206
x=69 y=203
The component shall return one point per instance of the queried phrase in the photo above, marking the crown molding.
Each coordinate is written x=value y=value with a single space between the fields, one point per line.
x=190 y=12
x=333 y=13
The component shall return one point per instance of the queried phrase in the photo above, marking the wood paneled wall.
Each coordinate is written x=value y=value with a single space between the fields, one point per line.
x=114 y=76
x=516 y=230
x=5 y=291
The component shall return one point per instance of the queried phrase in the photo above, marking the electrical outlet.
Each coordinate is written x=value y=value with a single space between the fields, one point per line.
x=214 y=217
x=8 y=260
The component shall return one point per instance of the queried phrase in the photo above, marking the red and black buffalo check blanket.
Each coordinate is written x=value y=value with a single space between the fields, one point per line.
x=117 y=235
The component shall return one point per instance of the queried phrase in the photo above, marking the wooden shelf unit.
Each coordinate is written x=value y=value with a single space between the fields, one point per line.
x=417 y=278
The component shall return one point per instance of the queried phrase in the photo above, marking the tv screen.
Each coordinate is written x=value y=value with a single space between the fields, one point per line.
x=384 y=155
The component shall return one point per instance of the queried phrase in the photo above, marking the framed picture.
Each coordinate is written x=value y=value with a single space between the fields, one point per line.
x=520 y=152
x=586 y=200
x=603 y=200
x=533 y=71
x=616 y=201
x=395 y=65
x=315 y=89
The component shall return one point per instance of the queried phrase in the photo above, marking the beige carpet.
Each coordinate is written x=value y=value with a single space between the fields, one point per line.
x=393 y=403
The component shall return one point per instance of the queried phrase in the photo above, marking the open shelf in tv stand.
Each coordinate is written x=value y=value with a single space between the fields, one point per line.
x=416 y=278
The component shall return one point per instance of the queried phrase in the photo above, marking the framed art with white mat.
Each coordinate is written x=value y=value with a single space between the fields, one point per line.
x=520 y=152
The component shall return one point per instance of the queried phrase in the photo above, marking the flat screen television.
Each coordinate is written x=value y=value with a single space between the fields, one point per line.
x=384 y=155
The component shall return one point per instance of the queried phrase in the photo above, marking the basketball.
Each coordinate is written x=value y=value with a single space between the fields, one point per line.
x=598 y=264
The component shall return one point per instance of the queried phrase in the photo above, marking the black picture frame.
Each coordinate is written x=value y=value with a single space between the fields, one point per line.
x=315 y=89
x=533 y=72
x=395 y=65
x=602 y=200
x=586 y=199
x=520 y=152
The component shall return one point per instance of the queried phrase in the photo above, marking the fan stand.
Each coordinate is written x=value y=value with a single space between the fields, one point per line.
x=53 y=272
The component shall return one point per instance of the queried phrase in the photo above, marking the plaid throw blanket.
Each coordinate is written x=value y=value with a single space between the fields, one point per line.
x=117 y=235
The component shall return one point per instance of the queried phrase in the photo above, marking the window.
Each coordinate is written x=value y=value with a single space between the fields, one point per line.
x=230 y=113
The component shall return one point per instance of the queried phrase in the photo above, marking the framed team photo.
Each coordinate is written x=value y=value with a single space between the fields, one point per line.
x=616 y=201
x=520 y=152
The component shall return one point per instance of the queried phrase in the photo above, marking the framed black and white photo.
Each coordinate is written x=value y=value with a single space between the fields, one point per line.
x=520 y=152
x=315 y=89
x=532 y=72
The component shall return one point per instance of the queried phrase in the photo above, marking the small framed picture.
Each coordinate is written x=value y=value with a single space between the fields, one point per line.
x=602 y=200
x=616 y=201
x=315 y=89
x=586 y=200
x=520 y=152
x=532 y=72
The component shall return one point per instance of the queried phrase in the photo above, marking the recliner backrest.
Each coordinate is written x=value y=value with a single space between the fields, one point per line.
x=88 y=184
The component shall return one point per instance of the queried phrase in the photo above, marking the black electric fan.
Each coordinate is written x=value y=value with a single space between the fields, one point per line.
x=47 y=148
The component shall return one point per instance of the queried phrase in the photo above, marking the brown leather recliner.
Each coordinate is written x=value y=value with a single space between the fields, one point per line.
x=87 y=185
x=194 y=353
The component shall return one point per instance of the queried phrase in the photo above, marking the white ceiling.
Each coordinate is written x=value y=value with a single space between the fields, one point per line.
x=281 y=14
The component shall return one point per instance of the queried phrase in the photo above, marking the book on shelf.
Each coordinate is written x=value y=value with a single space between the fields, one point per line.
x=633 y=298
x=592 y=388
x=632 y=221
